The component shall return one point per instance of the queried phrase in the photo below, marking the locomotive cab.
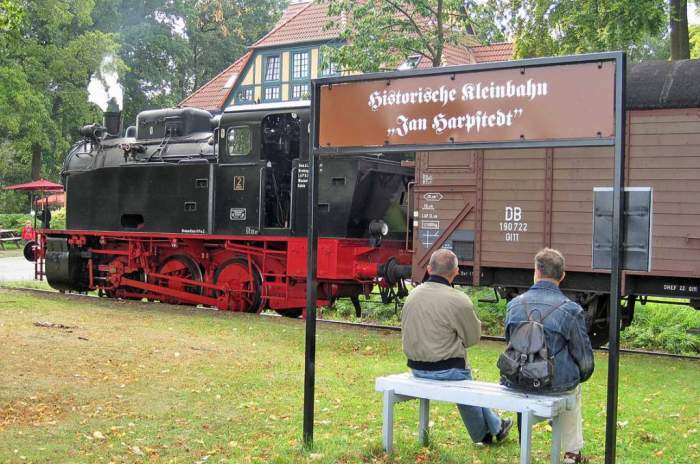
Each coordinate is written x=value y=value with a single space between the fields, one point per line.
x=263 y=175
x=259 y=157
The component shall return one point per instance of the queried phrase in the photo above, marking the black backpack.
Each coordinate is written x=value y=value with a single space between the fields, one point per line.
x=526 y=363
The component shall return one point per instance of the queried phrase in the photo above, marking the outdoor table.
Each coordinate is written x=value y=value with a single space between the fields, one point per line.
x=9 y=236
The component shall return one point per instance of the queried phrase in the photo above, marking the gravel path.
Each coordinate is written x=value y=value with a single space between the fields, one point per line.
x=16 y=268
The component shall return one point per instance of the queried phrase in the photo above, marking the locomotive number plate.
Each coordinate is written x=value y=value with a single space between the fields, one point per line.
x=238 y=183
x=237 y=214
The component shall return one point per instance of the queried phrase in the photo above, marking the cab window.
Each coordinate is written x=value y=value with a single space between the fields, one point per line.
x=239 y=141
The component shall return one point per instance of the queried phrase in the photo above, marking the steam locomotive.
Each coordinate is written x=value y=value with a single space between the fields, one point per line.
x=191 y=209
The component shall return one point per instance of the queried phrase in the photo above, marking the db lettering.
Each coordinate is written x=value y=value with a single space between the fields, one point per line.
x=513 y=213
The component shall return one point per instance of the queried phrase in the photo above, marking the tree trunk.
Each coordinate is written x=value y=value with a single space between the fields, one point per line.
x=440 y=45
x=36 y=161
x=680 y=42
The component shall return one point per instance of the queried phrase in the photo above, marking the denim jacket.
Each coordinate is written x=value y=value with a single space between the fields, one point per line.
x=565 y=331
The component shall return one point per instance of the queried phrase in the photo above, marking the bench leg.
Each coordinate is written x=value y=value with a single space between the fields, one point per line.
x=388 y=423
x=556 y=439
x=526 y=437
x=423 y=419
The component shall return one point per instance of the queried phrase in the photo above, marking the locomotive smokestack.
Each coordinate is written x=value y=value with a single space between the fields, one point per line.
x=113 y=118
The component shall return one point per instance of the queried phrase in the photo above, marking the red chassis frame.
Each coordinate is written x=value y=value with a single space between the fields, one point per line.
x=238 y=273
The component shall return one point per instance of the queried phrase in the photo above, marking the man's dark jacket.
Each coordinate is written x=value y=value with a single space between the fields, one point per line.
x=564 y=329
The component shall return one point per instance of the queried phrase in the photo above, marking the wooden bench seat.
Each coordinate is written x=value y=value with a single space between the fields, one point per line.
x=16 y=240
x=534 y=408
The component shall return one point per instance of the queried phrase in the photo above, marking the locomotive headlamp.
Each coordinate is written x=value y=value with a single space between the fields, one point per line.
x=378 y=227
x=377 y=230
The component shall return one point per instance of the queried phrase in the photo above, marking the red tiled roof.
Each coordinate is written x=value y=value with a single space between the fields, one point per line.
x=452 y=55
x=302 y=22
x=213 y=94
x=495 y=52
x=306 y=21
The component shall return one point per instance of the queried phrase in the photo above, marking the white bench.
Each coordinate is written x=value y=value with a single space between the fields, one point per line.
x=534 y=408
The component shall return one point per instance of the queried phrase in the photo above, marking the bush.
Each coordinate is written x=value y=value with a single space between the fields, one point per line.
x=14 y=221
x=663 y=327
x=58 y=218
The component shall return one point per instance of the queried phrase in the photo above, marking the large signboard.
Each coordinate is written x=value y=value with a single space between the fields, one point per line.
x=516 y=104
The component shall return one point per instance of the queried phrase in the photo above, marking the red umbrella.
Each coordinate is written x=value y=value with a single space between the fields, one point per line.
x=55 y=199
x=41 y=184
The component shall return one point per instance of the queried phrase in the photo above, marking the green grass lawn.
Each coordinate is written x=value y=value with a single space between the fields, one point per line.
x=11 y=251
x=157 y=383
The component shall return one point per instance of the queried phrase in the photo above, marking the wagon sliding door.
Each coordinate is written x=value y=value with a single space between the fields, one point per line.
x=445 y=206
x=516 y=191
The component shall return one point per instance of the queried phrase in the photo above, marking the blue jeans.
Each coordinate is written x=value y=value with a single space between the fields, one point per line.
x=478 y=421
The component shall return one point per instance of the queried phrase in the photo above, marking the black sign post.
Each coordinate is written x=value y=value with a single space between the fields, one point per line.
x=343 y=112
x=616 y=264
x=311 y=288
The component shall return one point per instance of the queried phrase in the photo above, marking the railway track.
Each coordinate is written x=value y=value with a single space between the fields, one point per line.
x=368 y=326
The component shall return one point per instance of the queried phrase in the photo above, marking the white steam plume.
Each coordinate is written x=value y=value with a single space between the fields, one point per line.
x=105 y=85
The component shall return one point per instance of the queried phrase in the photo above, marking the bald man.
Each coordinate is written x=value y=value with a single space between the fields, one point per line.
x=438 y=323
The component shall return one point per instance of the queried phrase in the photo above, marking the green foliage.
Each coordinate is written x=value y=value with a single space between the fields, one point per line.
x=663 y=327
x=557 y=27
x=58 y=218
x=172 y=48
x=694 y=31
x=11 y=15
x=14 y=221
x=44 y=72
x=382 y=34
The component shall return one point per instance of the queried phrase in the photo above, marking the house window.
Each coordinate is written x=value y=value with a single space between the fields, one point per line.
x=300 y=91
x=272 y=93
x=300 y=65
x=328 y=67
x=244 y=95
x=272 y=68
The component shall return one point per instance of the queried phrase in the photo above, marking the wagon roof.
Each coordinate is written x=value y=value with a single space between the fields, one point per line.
x=663 y=84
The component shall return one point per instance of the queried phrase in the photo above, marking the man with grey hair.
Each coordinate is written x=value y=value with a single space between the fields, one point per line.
x=438 y=323
x=566 y=338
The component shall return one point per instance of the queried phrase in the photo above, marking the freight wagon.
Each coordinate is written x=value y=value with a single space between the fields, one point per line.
x=496 y=208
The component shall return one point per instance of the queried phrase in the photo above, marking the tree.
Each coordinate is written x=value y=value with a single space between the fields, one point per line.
x=11 y=14
x=44 y=72
x=172 y=48
x=678 y=19
x=557 y=27
x=381 y=34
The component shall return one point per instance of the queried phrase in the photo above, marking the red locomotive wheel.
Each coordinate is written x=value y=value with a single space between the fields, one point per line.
x=184 y=267
x=245 y=285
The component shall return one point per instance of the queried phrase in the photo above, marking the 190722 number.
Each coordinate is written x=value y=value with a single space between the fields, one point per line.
x=513 y=223
x=513 y=226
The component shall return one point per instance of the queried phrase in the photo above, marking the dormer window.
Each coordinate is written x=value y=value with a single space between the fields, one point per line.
x=410 y=63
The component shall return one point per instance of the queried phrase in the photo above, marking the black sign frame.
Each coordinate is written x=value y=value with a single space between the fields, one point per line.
x=618 y=142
